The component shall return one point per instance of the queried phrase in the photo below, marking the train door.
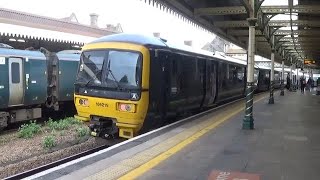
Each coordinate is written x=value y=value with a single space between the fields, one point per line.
x=162 y=84
x=15 y=82
x=212 y=82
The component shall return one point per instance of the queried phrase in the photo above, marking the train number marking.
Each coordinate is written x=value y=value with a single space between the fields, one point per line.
x=100 y=104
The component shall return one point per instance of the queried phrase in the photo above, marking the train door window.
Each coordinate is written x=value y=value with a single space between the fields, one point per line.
x=224 y=75
x=232 y=74
x=240 y=74
x=174 y=75
x=201 y=69
x=255 y=75
x=15 y=73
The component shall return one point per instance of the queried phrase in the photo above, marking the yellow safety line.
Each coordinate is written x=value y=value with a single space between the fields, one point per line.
x=165 y=155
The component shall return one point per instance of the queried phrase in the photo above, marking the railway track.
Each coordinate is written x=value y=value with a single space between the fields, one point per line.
x=61 y=161
x=91 y=151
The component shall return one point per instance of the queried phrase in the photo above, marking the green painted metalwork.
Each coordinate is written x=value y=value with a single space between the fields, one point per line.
x=271 y=98
x=248 y=118
x=67 y=74
x=35 y=86
x=4 y=84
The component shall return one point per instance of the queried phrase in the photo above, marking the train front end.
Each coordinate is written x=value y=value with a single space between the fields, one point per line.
x=111 y=90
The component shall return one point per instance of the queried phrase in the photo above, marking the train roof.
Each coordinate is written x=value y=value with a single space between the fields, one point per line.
x=36 y=54
x=153 y=41
x=22 y=53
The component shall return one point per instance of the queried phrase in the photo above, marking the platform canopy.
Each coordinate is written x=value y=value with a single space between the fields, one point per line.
x=296 y=37
x=24 y=30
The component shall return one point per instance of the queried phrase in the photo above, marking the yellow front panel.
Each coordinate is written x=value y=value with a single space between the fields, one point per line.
x=108 y=107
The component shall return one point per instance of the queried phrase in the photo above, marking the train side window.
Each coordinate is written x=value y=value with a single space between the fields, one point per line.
x=15 y=73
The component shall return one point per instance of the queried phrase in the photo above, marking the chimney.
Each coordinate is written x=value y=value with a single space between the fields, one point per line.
x=188 y=43
x=94 y=19
x=156 y=34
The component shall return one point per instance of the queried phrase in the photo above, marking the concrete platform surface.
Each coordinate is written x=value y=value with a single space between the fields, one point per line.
x=284 y=145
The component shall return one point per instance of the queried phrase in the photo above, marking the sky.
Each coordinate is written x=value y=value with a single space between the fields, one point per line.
x=135 y=16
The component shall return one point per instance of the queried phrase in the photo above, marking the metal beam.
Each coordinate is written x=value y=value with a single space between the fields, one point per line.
x=286 y=23
x=258 y=38
x=220 y=11
x=298 y=32
x=300 y=44
x=247 y=6
x=302 y=9
x=272 y=23
x=234 y=10
x=301 y=39
x=231 y=24
x=188 y=13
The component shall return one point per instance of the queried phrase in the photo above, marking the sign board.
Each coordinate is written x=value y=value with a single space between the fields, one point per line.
x=2 y=60
x=227 y=175
x=309 y=61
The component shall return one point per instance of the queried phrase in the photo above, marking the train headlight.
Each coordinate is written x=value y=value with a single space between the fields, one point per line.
x=83 y=102
x=124 y=107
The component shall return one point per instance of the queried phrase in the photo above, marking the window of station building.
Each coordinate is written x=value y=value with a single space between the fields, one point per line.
x=15 y=73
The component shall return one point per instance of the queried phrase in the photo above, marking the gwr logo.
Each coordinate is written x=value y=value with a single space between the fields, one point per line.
x=100 y=104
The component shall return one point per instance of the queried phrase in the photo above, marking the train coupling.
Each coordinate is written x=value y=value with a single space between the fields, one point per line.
x=103 y=127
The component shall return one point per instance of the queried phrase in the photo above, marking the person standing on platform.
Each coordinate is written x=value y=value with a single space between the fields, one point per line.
x=309 y=84
x=302 y=84
x=288 y=82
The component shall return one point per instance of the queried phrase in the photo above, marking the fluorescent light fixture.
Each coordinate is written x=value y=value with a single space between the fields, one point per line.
x=11 y=39
x=21 y=40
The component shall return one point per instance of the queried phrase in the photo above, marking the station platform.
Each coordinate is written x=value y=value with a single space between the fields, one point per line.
x=285 y=145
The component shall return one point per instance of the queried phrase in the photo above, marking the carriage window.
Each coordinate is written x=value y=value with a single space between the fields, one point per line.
x=15 y=73
x=240 y=74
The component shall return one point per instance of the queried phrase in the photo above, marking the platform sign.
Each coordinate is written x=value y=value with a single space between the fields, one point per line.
x=309 y=61
x=229 y=175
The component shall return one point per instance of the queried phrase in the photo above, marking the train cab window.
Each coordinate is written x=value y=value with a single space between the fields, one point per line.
x=90 y=68
x=123 y=68
x=15 y=73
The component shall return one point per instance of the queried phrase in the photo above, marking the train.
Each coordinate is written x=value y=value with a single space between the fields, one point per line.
x=128 y=84
x=35 y=82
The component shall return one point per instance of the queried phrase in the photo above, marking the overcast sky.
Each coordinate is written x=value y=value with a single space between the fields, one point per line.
x=134 y=15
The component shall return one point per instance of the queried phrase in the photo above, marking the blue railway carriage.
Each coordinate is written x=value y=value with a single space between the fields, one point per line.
x=33 y=80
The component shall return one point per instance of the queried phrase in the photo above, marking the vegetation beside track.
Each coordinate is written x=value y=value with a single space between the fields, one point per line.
x=53 y=130
x=36 y=144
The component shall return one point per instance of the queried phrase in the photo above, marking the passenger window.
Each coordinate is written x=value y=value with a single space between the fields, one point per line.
x=15 y=73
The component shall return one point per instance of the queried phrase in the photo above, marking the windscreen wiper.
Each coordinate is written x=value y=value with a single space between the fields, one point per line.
x=114 y=78
x=92 y=79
